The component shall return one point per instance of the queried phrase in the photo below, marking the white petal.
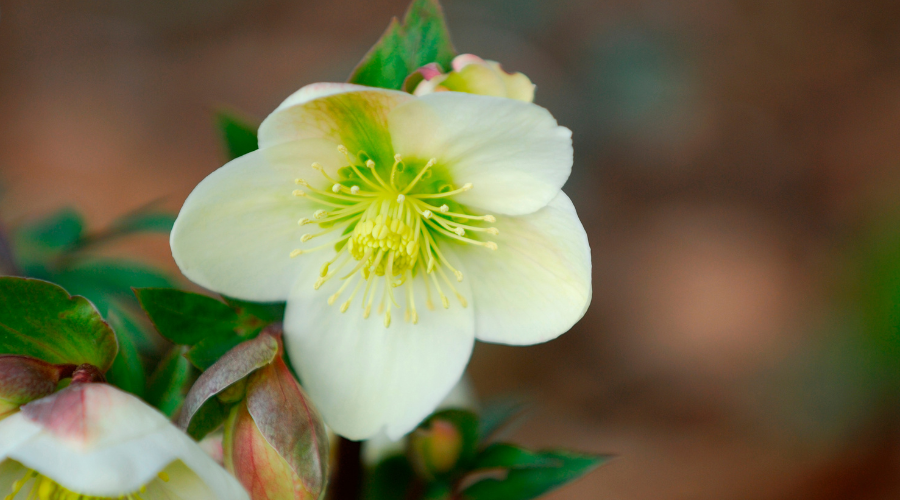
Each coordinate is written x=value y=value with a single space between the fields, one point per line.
x=365 y=378
x=537 y=284
x=132 y=452
x=15 y=430
x=317 y=90
x=381 y=446
x=236 y=230
x=353 y=116
x=183 y=484
x=513 y=152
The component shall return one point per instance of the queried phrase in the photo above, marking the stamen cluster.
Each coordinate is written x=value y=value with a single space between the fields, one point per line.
x=390 y=230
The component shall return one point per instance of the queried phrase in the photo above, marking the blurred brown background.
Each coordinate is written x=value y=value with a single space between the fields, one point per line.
x=735 y=162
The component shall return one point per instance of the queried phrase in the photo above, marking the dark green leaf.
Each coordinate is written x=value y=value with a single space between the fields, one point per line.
x=509 y=473
x=211 y=327
x=61 y=230
x=208 y=418
x=187 y=318
x=239 y=136
x=499 y=415
x=508 y=456
x=390 y=480
x=266 y=311
x=127 y=371
x=422 y=38
x=167 y=386
x=41 y=320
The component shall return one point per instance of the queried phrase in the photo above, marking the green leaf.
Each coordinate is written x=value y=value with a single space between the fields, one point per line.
x=506 y=472
x=239 y=136
x=61 y=230
x=211 y=327
x=390 y=480
x=266 y=311
x=41 y=320
x=422 y=38
x=206 y=352
x=499 y=415
x=187 y=318
x=168 y=383
x=127 y=371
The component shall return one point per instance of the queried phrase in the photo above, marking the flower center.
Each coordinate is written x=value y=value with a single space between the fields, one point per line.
x=36 y=486
x=391 y=230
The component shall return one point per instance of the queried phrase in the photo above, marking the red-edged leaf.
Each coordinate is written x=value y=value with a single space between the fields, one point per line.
x=232 y=367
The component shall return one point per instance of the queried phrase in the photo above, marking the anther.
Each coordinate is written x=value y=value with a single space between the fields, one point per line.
x=398 y=158
x=306 y=237
x=467 y=186
x=336 y=188
x=370 y=163
x=354 y=190
x=318 y=167
x=462 y=300
x=343 y=149
x=491 y=245
x=460 y=231
x=400 y=198
x=492 y=230
x=302 y=182
x=320 y=214
x=345 y=306
x=490 y=218
x=387 y=319
x=319 y=283
x=445 y=208
x=324 y=270
x=459 y=275
x=427 y=214
x=296 y=252
x=298 y=192
x=304 y=221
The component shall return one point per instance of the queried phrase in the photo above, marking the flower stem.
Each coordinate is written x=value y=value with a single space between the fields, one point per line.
x=347 y=483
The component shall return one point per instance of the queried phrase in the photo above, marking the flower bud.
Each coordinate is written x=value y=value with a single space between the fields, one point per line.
x=472 y=74
x=24 y=379
x=444 y=442
x=436 y=449
x=275 y=443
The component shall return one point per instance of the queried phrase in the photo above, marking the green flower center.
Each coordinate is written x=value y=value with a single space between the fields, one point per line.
x=391 y=230
x=36 y=486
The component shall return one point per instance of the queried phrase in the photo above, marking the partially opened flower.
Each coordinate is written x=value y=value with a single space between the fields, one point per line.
x=93 y=441
x=399 y=229
x=473 y=75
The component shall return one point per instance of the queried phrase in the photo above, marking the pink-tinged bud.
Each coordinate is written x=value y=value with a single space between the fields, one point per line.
x=472 y=74
x=436 y=449
x=275 y=443
x=24 y=379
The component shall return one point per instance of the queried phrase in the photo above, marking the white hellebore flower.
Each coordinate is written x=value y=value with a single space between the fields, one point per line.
x=424 y=223
x=93 y=441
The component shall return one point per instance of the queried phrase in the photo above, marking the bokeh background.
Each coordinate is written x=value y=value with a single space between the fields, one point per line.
x=737 y=170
